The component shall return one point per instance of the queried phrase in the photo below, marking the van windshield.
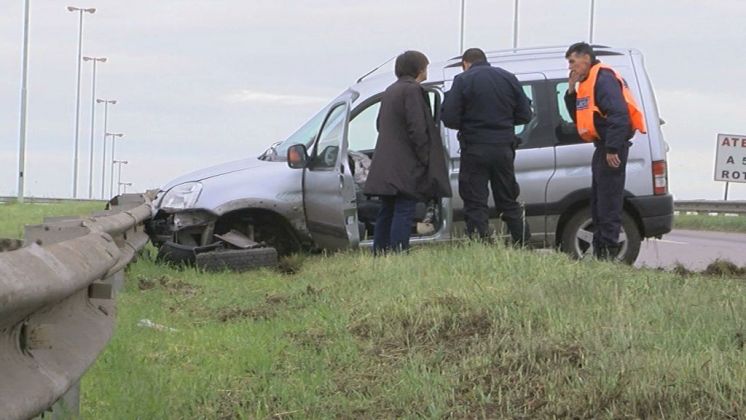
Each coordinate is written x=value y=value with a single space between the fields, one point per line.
x=306 y=134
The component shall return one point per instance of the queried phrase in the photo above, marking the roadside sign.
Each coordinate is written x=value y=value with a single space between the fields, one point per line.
x=730 y=158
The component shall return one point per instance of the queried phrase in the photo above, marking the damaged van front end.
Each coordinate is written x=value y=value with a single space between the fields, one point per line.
x=250 y=203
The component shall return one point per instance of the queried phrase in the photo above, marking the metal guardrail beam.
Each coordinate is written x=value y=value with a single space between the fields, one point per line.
x=710 y=206
x=45 y=200
x=57 y=302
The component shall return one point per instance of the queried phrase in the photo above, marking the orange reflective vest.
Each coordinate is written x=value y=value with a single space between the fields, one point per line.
x=586 y=105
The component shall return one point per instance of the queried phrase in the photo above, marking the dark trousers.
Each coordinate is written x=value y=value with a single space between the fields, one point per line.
x=394 y=224
x=483 y=164
x=607 y=198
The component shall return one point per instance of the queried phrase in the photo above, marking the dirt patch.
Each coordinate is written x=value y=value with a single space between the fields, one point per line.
x=291 y=264
x=519 y=373
x=446 y=325
x=717 y=268
x=267 y=309
x=168 y=284
x=724 y=268
x=7 y=245
x=314 y=338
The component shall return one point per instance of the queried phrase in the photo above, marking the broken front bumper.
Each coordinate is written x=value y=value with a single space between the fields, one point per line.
x=180 y=237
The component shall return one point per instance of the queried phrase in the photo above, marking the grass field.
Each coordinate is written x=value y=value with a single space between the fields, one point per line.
x=463 y=331
x=714 y=223
x=14 y=216
x=455 y=331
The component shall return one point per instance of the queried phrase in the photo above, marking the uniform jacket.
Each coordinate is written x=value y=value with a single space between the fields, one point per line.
x=485 y=104
x=615 y=129
x=409 y=159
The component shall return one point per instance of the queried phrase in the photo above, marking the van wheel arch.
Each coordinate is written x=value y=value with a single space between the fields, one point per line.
x=263 y=226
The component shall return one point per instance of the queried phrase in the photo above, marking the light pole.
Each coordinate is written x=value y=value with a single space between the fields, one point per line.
x=461 y=38
x=515 y=25
x=119 y=173
x=93 y=120
x=24 y=90
x=106 y=103
x=593 y=15
x=80 y=11
x=114 y=137
x=125 y=185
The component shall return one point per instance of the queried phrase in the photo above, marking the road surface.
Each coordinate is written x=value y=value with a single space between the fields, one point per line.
x=694 y=249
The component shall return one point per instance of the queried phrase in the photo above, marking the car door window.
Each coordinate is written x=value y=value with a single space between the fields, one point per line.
x=519 y=129
x=565 y=130
x=537 y=132
x=363 y=131
x=326 y=152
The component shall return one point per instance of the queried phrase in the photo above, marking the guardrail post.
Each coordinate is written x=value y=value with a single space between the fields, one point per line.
x=55 y=230
x=67 y=407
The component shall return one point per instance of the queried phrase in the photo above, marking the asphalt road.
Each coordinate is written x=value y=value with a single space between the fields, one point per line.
x=694 y=249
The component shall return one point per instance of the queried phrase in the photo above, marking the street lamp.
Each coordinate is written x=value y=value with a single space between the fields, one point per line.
x=125 y=185
x=591 y=26
x=80 y=11
x=461 y=38
x=106 y=103
x=24 y=90
x=119 y=173
x=93 y=120
x=113 y=136
x=515 y=25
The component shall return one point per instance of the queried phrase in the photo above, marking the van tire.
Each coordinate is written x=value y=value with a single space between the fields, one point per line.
x=577 y=237
x=237 y=259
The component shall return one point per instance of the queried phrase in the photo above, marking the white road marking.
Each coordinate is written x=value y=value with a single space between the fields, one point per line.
x=667 y=241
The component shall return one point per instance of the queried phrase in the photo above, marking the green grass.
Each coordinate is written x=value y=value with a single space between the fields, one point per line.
x=714 y=223
x=459 y=331
x=14 y=216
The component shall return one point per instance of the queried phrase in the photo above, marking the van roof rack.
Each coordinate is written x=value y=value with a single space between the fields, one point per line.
x=542 y=49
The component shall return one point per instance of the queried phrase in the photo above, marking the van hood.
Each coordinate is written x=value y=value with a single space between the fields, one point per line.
x=217 y=170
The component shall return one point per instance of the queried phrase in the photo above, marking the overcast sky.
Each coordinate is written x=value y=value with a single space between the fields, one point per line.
x=202 y=82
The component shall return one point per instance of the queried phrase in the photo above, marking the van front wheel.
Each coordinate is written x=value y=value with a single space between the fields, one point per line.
x=577 y=237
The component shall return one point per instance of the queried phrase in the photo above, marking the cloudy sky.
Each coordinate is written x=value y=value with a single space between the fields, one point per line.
x=201 y=82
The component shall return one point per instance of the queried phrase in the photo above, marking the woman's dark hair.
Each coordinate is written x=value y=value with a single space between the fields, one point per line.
x=410 y=63
x=581 y=48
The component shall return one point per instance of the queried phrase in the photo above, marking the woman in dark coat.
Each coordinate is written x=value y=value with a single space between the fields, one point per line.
x=409 y=162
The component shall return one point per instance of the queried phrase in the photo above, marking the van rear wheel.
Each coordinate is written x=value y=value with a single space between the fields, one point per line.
x=577 y=237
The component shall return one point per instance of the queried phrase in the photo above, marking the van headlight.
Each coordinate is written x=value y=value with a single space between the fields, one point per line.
x=182 y=196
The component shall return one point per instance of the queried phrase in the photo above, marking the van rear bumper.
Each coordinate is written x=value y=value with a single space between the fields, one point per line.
x=656 y=213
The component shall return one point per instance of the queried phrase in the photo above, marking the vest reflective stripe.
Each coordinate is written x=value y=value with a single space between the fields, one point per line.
x=586 y=105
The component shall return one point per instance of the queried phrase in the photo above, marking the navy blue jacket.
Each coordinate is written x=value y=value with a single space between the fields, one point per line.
x=615 y=129
x=485 y=104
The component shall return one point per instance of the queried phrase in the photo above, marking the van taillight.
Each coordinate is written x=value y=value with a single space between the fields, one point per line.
x=660 y=178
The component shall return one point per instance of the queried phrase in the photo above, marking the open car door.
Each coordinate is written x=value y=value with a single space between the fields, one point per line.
x=328 y=184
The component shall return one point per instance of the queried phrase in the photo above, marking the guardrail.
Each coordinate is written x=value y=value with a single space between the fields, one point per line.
x=47 y=200
x=710 y=206
x=57 y=302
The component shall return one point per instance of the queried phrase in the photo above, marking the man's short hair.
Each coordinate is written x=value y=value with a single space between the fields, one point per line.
x=473 y=55
x=581 y=48
x=410 y=63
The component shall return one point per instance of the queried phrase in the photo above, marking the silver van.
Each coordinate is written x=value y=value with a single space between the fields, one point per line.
x=304 y=193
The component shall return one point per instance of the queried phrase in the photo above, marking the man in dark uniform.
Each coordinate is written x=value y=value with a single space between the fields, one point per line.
x=485 y=104
x=612 y=129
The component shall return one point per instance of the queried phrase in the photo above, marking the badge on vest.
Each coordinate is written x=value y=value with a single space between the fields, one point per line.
x=582 y=103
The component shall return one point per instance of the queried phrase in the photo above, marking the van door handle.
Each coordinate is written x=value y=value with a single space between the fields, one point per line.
x=341 y=182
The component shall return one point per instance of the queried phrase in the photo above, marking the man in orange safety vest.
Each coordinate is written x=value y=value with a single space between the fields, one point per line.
x=605 y=112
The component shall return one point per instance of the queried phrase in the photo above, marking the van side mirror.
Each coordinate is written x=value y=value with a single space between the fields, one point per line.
x=297 y=156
